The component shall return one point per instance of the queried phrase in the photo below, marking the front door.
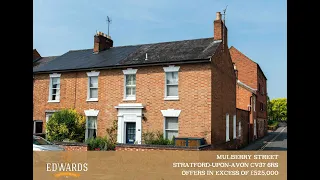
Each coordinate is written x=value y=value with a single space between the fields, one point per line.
x=130 y=132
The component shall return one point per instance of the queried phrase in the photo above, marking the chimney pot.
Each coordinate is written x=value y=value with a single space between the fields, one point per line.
x=218 y=14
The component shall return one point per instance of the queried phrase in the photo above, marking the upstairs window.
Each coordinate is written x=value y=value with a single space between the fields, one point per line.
x=92 y=86
x=54 y=88
x=130 y=84
x=171 y=82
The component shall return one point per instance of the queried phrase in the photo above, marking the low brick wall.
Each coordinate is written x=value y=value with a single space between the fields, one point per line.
x=71 y=146
x=147 y=147
x=233 y=144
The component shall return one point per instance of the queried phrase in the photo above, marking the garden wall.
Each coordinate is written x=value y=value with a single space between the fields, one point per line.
x=68 y=146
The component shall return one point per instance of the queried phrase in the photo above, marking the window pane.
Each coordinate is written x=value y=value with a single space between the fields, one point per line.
x=172 y=77
x=172 y=90
x=171 y=123
x=92 y=133
x=55 y=81
x=54 y=97
x=92 y=122
x=130 y=91
x=94 y=82
x=131 y=79
x=38 y=127
x=169 y=134
x=93 y=93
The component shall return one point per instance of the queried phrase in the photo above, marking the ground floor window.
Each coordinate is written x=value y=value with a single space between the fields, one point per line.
x=171 y=127
x=37 y=126
x=91 y=130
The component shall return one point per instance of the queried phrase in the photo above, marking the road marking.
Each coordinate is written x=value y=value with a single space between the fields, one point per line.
x=264 y=146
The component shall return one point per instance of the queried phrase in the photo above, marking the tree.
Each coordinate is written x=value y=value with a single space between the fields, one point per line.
x=66 y=124
x=269 y=109
x=277 y=109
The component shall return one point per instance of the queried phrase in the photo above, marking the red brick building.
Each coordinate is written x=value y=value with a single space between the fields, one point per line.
x=251 y=92
x=181 y=88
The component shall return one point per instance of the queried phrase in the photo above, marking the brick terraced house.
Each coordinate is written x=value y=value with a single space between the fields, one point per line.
x=251 y=92
x=181 y=88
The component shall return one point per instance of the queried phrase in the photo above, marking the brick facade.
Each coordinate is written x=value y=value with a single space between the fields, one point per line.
x=251 y=74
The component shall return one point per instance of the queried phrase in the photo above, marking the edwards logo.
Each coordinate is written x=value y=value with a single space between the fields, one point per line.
x=67 y=169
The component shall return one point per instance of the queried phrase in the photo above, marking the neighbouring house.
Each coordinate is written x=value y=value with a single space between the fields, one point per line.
x=39 y=61
x=251 y=92
x=181 y=88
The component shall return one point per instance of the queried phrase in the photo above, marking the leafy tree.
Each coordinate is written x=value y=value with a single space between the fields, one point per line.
x=66 y=124
x=277 y=109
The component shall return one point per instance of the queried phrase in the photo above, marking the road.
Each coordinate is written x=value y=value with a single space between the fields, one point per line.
x=279 y=141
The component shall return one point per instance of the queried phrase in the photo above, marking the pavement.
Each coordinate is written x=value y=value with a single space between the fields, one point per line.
x=274 y=140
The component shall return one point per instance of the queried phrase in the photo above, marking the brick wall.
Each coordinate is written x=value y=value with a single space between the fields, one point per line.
x=243 y=116
x=126 y=147
x=250 y=73
x=194 y=97
x=73 y=146
x=223 y=95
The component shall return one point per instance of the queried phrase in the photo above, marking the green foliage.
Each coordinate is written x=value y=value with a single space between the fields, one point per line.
x=273 y=124
x=277 y=109
x=156 y=138
x=66 y=124
x=100 y=144
x=112 y=132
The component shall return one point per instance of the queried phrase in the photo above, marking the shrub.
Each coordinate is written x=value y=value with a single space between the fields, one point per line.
x=156 y=138
x=66 y=124
x=100 y=144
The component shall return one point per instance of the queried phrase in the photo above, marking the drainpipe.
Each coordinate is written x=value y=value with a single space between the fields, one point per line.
x=249 y=118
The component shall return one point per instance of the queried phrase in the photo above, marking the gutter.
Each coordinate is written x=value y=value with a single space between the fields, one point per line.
x=129 y=66
x=254 y=91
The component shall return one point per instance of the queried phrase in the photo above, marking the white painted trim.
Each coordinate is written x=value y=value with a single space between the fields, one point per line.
x=170 y=113
x=125 y=97
x=254 y=100
x=130 y=71
x=92 y=100
x=54 y=101
x=246 y=87
x=171 y=98
x=171 y=68
x=227 y=128
x=91 y=112
x=93 y=73
x=130 y=105
x=54 y=75
x=234 y=126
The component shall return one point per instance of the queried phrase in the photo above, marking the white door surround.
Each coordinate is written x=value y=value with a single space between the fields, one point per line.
x=131 y=112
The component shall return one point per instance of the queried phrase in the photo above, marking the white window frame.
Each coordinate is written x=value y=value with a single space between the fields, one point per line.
x=254 y=103
x=48 y=115
x=92 y=74
x=92 y=113
x=171 y=68
x=227 y=128
x=126 y=72
x=239 y=128
x=34 y=126
x=54 y=75
x=234 y=126
x=170 y=113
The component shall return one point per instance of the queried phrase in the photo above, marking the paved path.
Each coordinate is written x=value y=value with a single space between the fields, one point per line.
x=275 y=141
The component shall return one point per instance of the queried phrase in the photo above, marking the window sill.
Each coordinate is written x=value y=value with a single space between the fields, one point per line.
x=228 y=140
x=171 y=98
x=54 y=101
x=129 y=99
x=92 y=100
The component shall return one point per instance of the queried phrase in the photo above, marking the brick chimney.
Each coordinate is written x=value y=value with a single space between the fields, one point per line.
x=220 y=30
x=102 y=42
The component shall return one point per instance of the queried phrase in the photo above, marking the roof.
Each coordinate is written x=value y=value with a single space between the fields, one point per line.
x=156 y=53
x=246 y=87
x=250 y=60
x=36 y=55
x=42 y=61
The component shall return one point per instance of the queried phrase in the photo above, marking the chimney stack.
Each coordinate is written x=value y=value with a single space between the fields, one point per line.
x=102 y=42
x=220 y=30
